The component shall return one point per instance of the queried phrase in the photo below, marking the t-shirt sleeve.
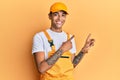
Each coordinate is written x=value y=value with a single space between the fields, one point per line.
x=73 y=50
x=37 y=44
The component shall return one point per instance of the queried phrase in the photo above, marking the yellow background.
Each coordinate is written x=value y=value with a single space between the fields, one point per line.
x=21 y=19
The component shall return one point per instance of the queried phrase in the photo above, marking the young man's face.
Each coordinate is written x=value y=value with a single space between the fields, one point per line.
x=57 y=19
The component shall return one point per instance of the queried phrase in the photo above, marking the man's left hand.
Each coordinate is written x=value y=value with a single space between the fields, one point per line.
x=88 y=44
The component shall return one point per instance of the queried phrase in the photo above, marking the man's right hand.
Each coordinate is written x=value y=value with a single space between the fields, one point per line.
x=66 y=45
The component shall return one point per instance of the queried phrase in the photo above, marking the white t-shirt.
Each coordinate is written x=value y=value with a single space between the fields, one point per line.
x=40 y=42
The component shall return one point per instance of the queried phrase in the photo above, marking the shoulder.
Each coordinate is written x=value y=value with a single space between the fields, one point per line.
x=68 y=34
x=39 y=35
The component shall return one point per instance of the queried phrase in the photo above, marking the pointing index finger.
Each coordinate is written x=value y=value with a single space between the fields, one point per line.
x=71 y=38
x=88 y=37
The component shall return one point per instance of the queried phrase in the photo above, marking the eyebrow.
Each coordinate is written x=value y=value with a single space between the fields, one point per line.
x=64 y=12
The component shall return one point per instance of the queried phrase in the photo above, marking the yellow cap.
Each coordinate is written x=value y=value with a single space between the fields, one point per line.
x=58 y=6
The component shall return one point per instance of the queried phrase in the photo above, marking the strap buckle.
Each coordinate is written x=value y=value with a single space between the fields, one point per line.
x=51 y=43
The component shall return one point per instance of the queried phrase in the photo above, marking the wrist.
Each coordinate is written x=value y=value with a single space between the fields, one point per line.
x=60 y=51
x=83 y=50
x=80 y=53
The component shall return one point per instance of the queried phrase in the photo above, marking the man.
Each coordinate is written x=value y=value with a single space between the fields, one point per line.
x=54 y=49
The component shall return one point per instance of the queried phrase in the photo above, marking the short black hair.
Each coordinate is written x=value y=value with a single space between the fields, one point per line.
x=60 y=10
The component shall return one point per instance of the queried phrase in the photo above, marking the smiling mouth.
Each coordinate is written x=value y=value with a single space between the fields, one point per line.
x=59 y=22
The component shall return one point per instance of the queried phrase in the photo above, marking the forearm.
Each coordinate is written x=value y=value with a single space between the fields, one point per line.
x=78 y=58
x=55 y=57
x=89 y=43
x=47 y=64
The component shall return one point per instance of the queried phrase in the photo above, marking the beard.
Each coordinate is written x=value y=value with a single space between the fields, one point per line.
x=57 y=25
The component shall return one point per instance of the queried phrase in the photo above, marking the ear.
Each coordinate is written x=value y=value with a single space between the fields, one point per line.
x=49 y=15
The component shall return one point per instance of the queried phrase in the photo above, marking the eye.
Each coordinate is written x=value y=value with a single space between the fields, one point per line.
x=64 y=15
x=55 y=14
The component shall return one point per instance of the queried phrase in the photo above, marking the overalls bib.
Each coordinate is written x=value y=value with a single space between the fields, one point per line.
x=63 y=68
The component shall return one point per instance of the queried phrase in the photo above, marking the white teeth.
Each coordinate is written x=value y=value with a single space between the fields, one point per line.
x=59 y=22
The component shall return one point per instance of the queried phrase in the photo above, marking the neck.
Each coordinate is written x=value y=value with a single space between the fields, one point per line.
x=56 y=29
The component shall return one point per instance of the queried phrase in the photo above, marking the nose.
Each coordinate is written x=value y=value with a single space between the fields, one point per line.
x=59 y=17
